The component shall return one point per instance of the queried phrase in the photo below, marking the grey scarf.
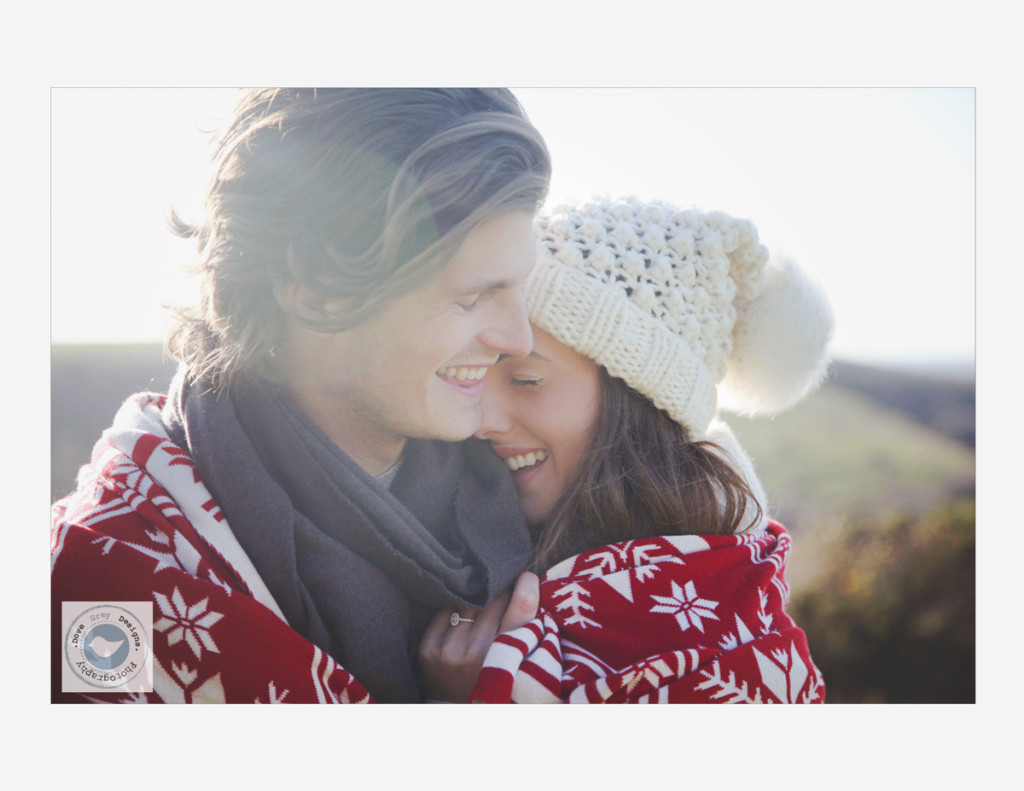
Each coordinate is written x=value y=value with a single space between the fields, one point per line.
x=356 y=569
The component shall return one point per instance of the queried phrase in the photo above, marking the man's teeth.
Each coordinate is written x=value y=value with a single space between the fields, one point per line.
x=528 y=460
x=463 y=374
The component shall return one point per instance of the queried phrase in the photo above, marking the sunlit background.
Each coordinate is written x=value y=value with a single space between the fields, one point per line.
x=872 y=190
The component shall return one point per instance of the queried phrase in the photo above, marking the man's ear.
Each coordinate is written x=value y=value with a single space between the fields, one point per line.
x=306 y=305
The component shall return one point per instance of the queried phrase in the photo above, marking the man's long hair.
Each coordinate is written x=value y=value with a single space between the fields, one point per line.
x=641 y=476
x=356 y=195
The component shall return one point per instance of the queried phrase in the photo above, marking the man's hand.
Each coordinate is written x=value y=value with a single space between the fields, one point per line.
x=451 y=656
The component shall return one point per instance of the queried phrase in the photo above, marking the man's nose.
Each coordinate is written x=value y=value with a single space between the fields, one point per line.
x=511 y=333
x=494 y=416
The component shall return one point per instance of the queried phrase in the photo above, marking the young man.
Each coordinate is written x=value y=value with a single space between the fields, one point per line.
x=297 y=508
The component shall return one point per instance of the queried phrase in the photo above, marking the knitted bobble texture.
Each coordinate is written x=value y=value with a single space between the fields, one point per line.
x=660 y=296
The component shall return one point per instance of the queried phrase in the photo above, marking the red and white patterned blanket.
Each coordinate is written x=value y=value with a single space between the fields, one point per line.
x=142 y=527
x=670 y=619
x=674 y=619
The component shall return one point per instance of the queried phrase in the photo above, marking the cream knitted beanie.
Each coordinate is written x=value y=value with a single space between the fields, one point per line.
x=680 y=304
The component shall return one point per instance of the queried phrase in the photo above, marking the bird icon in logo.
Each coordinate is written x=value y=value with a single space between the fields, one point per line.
x=105 y=648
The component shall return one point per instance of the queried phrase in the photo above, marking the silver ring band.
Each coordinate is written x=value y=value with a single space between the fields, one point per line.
x=456 y=619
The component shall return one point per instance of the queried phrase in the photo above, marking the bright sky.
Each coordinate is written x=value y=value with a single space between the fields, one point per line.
x=872 y=190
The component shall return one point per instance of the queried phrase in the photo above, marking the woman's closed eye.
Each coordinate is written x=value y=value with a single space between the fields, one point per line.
x=525 y=381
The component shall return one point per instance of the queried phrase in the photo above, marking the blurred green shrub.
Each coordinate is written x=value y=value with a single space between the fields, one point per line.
x=892 y=618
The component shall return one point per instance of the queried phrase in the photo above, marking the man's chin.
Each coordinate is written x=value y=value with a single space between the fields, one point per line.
x=455 y=427
x=456 y=436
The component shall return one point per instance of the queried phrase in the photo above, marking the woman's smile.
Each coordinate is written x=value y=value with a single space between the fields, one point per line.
x=538 y=411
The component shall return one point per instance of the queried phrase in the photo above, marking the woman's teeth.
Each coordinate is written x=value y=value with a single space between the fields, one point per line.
x=463 y=374
x=528 y=460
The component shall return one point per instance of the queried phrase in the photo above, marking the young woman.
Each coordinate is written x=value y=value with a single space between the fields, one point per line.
x=662 y=575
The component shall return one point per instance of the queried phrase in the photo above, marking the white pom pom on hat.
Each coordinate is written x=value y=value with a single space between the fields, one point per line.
x=680 y=304
x=779 y=344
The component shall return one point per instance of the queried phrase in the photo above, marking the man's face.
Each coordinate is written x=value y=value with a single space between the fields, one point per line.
x=416 y=368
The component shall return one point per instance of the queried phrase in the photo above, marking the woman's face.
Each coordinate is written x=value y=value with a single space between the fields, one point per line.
x=539 y=414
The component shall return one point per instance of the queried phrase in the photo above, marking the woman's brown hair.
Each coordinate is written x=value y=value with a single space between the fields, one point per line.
x=642 y=476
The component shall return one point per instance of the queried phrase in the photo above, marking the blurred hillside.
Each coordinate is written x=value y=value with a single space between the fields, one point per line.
x=943 y=400
x=847 y=453
x=873 y=474
x=846 y=450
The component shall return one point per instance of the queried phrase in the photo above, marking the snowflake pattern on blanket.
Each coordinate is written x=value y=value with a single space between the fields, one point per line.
x=672 y=619
x=141 y=526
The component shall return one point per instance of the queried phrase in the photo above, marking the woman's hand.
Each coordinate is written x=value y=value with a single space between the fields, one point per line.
x=451 y=656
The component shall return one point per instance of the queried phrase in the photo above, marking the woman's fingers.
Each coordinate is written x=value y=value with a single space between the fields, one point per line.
x=447 y=639
x=525 y=599
x=456 y=641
